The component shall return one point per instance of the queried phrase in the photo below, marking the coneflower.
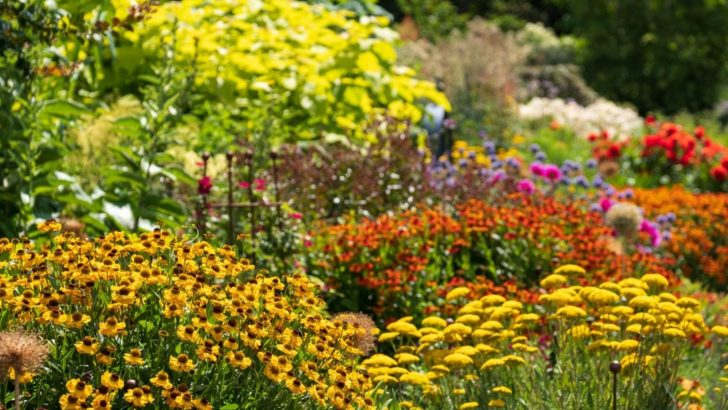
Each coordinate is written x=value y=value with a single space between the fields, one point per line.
x=22 y=352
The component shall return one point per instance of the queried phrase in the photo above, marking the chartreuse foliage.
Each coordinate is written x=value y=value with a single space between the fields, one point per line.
x=313 y=72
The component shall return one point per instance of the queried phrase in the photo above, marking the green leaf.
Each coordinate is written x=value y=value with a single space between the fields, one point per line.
x=230 y=406
x=63 y=108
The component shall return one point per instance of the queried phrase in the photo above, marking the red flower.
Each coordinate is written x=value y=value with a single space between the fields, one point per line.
x=699 y=132
x=724 y=161
x=614 y=151
x=204 y=185
x=650 y=120
x=719 y=173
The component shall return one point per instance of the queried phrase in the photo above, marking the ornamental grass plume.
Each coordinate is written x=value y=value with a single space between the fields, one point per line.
x=23 y=352
x=364 y=338
x=625 y=218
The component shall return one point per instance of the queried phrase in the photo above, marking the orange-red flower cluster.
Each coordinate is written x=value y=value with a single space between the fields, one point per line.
x=699 y=235
x=494 y=247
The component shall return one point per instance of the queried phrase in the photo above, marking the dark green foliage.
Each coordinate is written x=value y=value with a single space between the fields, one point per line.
x=657 y=54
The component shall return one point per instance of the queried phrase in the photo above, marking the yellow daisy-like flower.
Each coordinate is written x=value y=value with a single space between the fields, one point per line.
x=406 y=358
x=134 y=357
x=112 y=380
x=161 y=380
x=112 y=327
x=181 y=363
x=88 y=345
x=50 y=225
x=468 y=405
x=139 y=397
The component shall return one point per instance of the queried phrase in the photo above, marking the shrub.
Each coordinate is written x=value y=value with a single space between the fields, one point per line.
x=657 y=55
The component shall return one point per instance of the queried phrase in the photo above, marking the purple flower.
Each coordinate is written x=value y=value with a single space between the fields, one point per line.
x=598 y=181
x=540 y=156
x=592 y=163
x=581 y=181
x=512 y=162
x=489 y=147
x=534 y=148
x=449 y=124
x=526 y=185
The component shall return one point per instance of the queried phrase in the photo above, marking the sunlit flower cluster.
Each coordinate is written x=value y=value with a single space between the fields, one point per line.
x=492 y=350
x=149 y=319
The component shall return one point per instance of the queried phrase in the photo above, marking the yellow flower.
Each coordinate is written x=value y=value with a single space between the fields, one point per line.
x=628 y=345
x=414 y=378
x=491 y=363
x=501 y=389
x=458 y=360
x=403 y=328
x=112 y=327
x=181 y=363
x=655 y=280
x=674 y=332
x=579 y=331
x=468 y=405
x=379 y=360
x=139 y=397
x=161 y=380
x=112 y=380
x=88 y=345
x=570 y=312
x=238 y=360
x=688 y=302
x=570 y=270
x=434 y=321
x=50 y=225
x=553 y=281
x=79 y=389
x=492 y=300
x=387 y=336
x=643 y=302
x=496 y=403
x=406 y=358
x=468 y=319
x=134 y=357
x=457 y=293
x=720 y=330
x=432 y=338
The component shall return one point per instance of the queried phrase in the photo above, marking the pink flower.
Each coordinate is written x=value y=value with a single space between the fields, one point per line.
x=526 y=186
x=651 y=229
x=296 y=215
x=259 y=184
x=605 y=204
x=552 y=172
x=204 y=185
x=537 y=169
x=244 y=184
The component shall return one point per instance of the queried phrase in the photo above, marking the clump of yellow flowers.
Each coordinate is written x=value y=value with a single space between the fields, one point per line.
x=150 y=320
x=553 y=354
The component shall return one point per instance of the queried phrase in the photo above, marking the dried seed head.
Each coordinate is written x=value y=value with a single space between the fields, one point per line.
x=22 y=351
x=363 y=338
x=625 y=218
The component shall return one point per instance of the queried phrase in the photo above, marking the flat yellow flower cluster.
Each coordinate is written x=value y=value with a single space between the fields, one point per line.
x=151 y=319
x=494 y=346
